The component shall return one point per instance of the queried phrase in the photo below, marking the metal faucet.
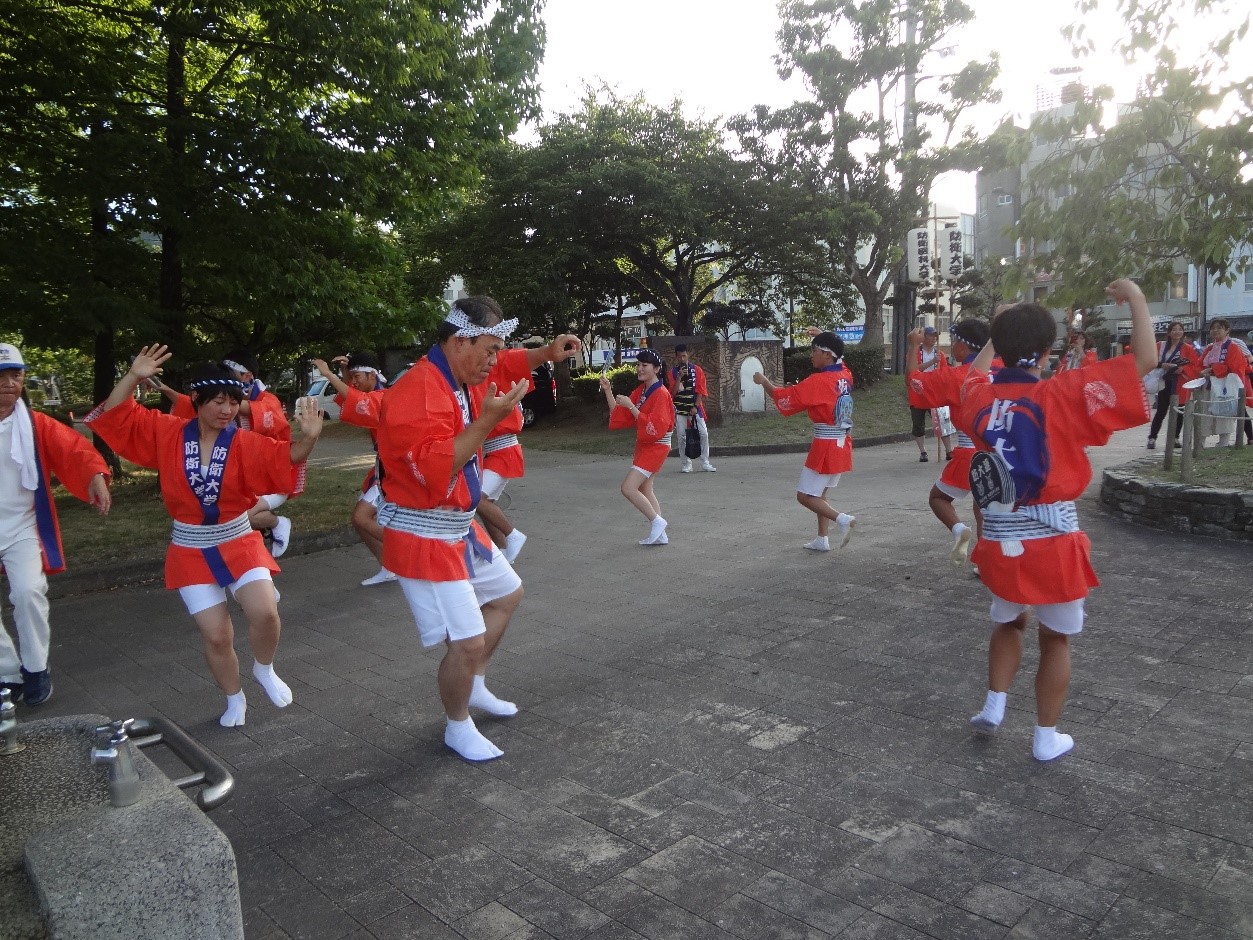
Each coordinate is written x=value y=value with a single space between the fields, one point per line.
x=113 y=747
x=8 y=725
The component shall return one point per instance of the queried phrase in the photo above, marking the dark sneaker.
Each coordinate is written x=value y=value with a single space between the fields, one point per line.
x=15 y=691
x=923 y=458
x=36 y=687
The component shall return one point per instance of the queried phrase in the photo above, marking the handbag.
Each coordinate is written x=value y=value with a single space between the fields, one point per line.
x=691 y=441
x=1154 y=381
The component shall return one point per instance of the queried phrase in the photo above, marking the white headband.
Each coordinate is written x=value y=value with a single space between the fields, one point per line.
x=382 y=377
x=834 y=355
x=465 y=328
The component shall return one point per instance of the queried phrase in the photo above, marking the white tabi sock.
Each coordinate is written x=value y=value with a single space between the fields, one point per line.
x=465 y=739
x=962 y=538
x=236 y=706
x=278 y=690
x=481 y=697
x=656 y=533
x=1048 y=744
x=993 y=712
x=820 y=544
x=513 y=544
x=845 y=523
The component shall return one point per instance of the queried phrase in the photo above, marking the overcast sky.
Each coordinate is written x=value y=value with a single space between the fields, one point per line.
x=717 y=56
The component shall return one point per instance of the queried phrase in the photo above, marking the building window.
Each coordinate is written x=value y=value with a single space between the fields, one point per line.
x=1248 y=280
x=1005 y=199
x=1179 y=287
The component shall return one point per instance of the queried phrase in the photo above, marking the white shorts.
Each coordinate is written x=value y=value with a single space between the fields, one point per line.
x=1064 y=618
x=274 y=500
x=813 y=483
x=200 y=597
x=373 y=496
x=642 y=472
x=451 y=610
x=493 y=484
x=952 y=492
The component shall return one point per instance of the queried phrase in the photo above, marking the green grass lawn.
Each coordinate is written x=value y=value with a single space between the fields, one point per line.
x=138 y=527
x=582 y=428
x=1218 y=467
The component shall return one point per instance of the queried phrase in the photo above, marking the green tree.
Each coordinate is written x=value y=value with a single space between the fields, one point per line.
x=1160 y=179
x=237 y=172
x=623 y=198
x=868 y=179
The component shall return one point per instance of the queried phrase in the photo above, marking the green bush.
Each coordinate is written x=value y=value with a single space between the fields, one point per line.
x=587 y=385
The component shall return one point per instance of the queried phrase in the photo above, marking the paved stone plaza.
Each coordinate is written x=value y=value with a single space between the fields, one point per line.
x=727 y=736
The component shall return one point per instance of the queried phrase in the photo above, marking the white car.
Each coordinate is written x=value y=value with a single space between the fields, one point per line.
x=324 y=392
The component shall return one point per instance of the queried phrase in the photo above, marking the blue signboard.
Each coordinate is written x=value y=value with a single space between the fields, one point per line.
x=851 y=334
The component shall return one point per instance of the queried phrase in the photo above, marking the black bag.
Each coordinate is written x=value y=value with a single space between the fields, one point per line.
x=691 y=441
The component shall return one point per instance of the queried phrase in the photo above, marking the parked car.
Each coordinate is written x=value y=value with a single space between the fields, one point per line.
x=541 y=400
x=324 y=392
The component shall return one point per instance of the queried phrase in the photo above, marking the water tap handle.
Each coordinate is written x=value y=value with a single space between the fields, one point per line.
x=119 y=731
x=6 y=704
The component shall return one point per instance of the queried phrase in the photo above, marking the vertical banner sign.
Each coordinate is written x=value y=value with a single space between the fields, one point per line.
x=918 y=255
x=954 y=267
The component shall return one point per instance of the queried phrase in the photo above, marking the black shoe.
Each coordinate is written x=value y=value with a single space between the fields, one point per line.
x=36 y=686
x=949 y=455
x=923 y=458
x=15 y=690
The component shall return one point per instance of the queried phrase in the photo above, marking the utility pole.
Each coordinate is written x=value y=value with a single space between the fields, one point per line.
x=903 y=292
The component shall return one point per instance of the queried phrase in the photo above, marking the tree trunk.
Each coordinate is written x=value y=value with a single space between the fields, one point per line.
x=103 y=357
x=170 y=287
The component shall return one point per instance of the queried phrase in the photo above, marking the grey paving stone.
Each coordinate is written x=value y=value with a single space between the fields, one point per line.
x=1045 y=923
x=1061 y=891
x=410 y=922
x=1158 y=847
x=1195 y=903
x=995 y=903
x=936 y=918
x=751 y=920
x=309 y=915
x=929 y=863
x=802 y=902
x=694 y=874
x=553 y=910
x=347 y=855
x=658 y=919
x=459 y=884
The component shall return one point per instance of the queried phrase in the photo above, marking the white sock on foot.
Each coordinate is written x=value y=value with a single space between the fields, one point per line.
x=993 y=712
x=481 y=697
x=278 y=690
x=236 y=705
x=382 y=577
x=656 y=533
x=465 y=739
x=962 y=537
x=513 y=544
x=845 y=523
x=820 y=544
x=1048 y=744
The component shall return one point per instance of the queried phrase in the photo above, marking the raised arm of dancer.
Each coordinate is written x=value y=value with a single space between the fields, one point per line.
x=1143 y=346
x=310 y=429
x=327 y=373
x=492 y=411
x=144 y=366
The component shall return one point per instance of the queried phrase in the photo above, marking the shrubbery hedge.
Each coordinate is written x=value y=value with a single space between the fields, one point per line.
x=586 y=385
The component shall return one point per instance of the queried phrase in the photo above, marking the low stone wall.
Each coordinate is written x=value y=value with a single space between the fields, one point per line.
x=1177 y=507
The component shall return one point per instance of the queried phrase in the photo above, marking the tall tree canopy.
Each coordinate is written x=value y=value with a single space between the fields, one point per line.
x=872 y=172
x=625 y=199
x=237 y=171
x=1165 y=177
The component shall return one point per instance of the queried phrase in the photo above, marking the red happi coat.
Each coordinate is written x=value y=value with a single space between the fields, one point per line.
x=512 y=366
x=62 y=451
x=269 y=419
x=655 y=423
x=1074 y=410
x=940 y=388
x=816 y=395
x=361 y=409
x=418 y=425
x=255 y=465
